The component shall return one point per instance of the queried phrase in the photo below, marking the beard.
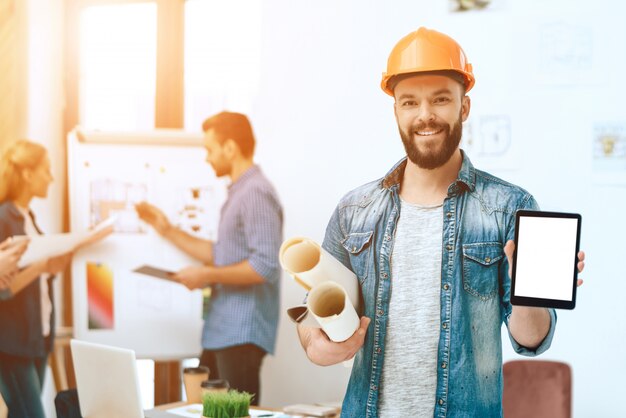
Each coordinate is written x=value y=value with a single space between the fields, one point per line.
x=432 y=156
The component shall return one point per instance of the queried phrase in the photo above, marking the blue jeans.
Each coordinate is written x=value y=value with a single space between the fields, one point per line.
x=21 y=382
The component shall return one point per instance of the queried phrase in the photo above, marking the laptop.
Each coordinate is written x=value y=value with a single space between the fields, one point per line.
x=107 y=382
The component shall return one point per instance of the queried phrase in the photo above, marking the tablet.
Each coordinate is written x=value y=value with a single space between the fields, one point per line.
x=545 y=259
x=156 y=272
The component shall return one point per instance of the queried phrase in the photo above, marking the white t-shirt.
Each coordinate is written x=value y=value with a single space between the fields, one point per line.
x=46 y=303
x=409 y=373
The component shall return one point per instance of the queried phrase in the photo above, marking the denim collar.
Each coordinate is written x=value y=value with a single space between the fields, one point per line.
x=466 y=176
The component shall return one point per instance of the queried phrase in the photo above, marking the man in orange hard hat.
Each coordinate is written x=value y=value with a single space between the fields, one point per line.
x=431 y=245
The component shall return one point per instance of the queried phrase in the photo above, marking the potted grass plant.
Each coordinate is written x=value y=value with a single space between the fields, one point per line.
x=232 y=404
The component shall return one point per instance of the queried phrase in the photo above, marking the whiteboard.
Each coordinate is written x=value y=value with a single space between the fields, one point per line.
x=108 y=173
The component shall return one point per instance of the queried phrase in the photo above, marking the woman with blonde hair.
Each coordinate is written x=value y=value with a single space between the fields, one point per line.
x=26 y=319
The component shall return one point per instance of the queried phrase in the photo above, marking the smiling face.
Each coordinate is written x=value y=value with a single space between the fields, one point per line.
x=429 y=111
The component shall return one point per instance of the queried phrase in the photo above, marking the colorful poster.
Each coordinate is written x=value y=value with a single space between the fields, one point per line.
x=100 y=296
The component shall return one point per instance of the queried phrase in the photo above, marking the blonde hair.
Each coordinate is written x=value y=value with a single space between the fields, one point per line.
x=20 y=156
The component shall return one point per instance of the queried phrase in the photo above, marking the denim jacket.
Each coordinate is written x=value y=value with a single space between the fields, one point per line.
x=479 y=218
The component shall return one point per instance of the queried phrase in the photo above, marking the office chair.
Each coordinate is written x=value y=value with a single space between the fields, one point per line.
x=537 y=389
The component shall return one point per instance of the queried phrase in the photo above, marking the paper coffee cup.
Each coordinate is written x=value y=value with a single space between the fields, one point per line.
x=193 y=378
x=216 y=385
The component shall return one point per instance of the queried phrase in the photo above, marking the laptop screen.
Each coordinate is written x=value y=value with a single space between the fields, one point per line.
x=106 y=380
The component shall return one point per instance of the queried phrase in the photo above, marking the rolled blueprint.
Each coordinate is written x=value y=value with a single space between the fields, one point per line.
x=329 y=304
x=309 y=264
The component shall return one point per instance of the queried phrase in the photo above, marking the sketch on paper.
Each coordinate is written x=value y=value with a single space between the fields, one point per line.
x=100 y=302
x=490 y=137
x=117 y=198
x=609 y=147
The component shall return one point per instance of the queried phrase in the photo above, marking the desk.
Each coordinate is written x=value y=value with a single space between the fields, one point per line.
x=172 y=405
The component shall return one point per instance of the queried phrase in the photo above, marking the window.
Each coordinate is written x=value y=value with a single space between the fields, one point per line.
x=118 y=66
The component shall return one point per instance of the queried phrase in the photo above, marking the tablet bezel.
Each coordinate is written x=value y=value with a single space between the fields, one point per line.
x=540 y=302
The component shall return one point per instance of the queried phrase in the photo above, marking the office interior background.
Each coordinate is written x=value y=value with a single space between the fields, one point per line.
x=547 y=114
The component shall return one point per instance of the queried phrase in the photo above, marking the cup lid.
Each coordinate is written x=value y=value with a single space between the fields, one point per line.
x=196 y=370
x=215 y=383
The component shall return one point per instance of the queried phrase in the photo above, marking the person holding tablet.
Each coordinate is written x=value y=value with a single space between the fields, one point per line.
x=26 y=319
x=241 y=266
x=431 y=244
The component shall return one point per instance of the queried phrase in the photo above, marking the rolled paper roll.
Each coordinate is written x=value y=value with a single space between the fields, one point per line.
x=309 y=264
x=329 y=304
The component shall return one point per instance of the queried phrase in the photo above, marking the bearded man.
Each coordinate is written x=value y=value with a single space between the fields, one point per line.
x=431 y=244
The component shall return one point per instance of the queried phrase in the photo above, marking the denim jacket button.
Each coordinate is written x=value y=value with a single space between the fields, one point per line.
x=384 y=275
x=444 y=365
x=378 y=350
x=446 y=287
x=444 y=325
x=440 y=401
x=380 y=312
x=449 y=215
x=449 y=247
x=487 y=259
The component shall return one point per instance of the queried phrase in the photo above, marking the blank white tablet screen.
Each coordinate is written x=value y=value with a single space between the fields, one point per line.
x=546 y=254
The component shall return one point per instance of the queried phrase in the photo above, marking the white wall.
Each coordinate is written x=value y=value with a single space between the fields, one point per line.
x=324 y=127
x=41 y=120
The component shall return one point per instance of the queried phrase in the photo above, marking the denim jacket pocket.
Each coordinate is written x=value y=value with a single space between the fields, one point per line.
x=480 y=268
x=357 y=244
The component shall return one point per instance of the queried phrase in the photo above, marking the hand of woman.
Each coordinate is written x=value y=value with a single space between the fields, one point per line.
x=10 y=254
x=59 y=263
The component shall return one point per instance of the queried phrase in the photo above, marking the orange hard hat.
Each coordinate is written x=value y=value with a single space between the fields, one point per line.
x=427 y=50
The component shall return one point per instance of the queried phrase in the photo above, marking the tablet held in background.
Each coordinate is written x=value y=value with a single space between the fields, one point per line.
x=156 y=272
x=545 y=259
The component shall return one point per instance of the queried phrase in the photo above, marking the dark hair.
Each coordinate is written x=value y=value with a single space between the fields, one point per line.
x=235 y=126
x=455 y=75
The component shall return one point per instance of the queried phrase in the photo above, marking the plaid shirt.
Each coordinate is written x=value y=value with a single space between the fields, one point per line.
x=250 y=229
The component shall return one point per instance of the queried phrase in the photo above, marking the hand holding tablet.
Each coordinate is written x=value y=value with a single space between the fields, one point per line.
x=545 y=261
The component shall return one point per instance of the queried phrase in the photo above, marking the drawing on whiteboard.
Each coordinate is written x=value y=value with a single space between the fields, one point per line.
x=465 y=5
x=111 y=197
x=100 y=302
x=154 y=295
x=194 y=212
x=565 y=53
x=491 y=138
x=609 y=146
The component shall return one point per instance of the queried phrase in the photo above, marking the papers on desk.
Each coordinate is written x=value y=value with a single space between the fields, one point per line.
x=42 y=247
x=195 y=411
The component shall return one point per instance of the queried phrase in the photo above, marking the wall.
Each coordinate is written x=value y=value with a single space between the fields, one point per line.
x=553 y=67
